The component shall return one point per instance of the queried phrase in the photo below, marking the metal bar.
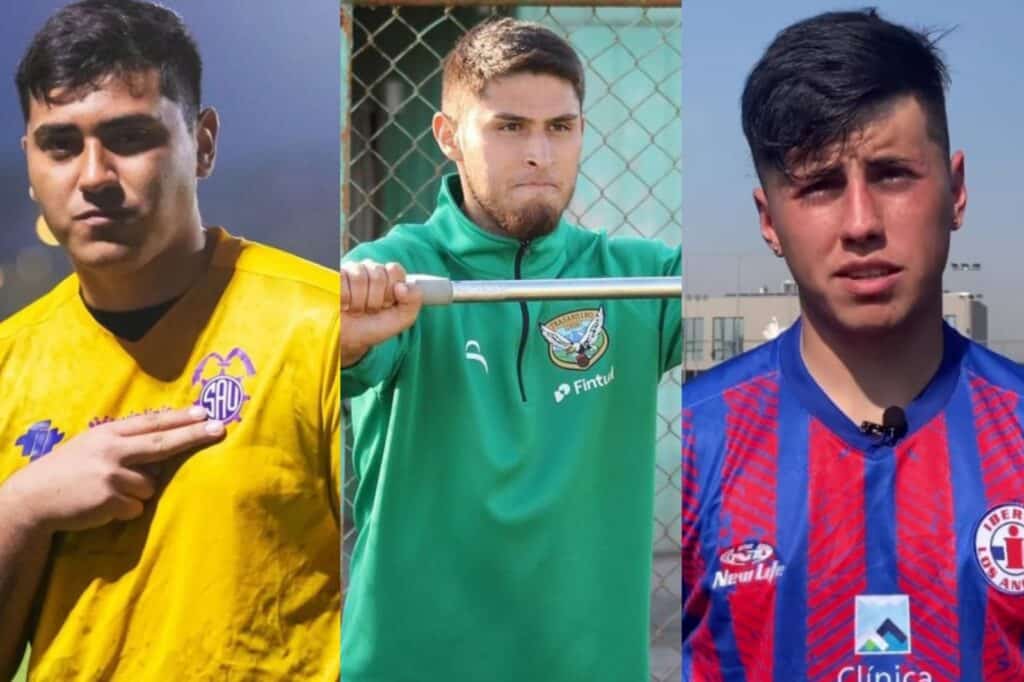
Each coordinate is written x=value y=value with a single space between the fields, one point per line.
x=520 y=3
x=441 y=291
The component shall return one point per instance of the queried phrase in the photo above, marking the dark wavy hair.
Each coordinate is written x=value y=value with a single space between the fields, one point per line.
x=88 y=41
x=826 y=77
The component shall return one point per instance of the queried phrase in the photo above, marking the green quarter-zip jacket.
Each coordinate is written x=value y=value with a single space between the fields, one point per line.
x=505 y=457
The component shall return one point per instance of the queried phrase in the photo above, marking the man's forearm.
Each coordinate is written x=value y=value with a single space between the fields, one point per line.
x=24 y=548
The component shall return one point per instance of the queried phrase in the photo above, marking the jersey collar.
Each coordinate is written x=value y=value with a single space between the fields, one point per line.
x=932 y=400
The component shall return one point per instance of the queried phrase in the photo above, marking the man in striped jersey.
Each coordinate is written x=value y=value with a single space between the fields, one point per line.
x=853 y=492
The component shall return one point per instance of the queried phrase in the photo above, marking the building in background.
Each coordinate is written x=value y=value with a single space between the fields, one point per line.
x=715 y=328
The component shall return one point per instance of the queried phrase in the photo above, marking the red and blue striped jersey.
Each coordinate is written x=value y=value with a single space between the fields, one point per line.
x=814 y=551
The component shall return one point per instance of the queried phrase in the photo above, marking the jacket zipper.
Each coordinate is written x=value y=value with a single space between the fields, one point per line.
x=526 y=319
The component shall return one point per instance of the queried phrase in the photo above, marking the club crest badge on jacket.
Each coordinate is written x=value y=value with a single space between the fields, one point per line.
x=577 y=339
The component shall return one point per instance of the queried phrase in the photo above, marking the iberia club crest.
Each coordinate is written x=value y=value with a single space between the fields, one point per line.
x=220 y=380
x=999 y=547
x=577 y=339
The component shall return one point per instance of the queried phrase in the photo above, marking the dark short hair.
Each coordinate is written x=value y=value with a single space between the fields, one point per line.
x=87 y=41
x=826 y=77
x=503 y=47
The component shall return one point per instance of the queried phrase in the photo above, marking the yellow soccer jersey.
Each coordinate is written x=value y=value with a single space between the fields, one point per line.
x=232 y=573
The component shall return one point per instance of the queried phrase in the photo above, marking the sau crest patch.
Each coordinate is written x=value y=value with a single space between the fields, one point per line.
x=222 y=392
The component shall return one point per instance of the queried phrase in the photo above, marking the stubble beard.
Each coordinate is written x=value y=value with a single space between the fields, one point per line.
x=526 y=223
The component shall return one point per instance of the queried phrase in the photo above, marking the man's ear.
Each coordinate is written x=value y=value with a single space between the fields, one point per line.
x=207 y=128
x=958 y=185
x=445 y=132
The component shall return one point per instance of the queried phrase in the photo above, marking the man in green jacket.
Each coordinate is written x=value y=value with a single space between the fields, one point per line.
x=504 y=451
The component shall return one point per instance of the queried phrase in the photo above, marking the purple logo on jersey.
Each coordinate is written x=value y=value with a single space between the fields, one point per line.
x=748 y=562
x=221 y=392
x=999 y=547
x=39 y=439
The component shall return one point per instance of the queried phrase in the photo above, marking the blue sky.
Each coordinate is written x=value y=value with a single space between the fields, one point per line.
x=721 y=42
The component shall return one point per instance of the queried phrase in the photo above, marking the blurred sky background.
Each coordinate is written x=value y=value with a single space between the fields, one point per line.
x=722 y=39
x=271 y=69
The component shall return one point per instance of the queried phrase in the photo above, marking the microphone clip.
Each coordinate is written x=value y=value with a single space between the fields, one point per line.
x=892 y=428
x=885 y=433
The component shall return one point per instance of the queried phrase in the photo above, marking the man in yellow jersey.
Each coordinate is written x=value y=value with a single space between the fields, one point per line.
x=169 y=423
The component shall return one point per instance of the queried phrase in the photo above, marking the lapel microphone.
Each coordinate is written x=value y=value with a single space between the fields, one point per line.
x=892 y=428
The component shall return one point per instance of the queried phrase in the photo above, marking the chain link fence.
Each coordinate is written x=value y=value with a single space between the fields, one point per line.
x=629 y=182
